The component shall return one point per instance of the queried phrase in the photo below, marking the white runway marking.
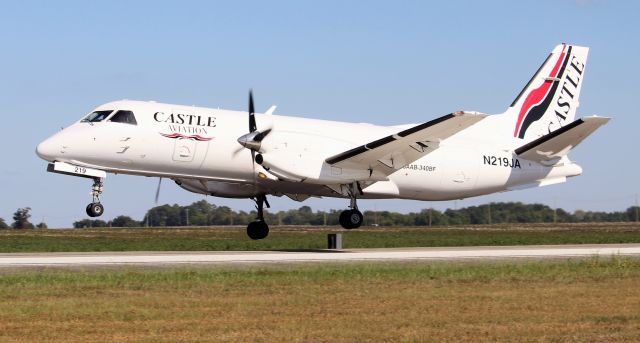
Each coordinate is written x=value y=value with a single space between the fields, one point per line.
x=162 y=258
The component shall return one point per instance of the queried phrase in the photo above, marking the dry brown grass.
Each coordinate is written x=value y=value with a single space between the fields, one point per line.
x=507 y=302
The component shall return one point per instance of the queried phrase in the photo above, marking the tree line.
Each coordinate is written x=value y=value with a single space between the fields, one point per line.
x=202 y=213
x=21 y=220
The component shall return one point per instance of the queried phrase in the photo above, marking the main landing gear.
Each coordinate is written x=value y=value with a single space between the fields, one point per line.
x=95 y=208
x=352 y=218
x=259 y=229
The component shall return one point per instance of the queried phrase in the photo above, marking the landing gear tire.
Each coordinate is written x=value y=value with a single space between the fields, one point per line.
x=257 y=230
x=95 y=209
x=351 y=219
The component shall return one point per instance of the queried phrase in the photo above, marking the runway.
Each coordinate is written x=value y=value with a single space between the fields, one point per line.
x=255 y=257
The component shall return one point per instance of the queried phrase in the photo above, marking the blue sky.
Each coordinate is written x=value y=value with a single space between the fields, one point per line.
x=364 y=61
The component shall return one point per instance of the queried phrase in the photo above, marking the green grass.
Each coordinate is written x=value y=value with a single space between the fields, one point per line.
x=552 y=301
x=570 y=270
x=286 y=238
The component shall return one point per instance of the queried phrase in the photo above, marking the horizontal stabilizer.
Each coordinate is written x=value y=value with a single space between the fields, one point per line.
x=539 y=183
x=550 y=148
x=391 y=153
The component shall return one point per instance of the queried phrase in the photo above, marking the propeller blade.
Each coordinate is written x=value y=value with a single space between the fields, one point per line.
x=252 y=116
x=251 y=140
x=237 y=151
x=158 y=190
x=260 y=136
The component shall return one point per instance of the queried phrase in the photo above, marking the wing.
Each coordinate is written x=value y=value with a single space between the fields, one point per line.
x=550 y=148
x=391 y=153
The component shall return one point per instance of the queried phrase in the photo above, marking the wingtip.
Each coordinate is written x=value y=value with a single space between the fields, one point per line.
x=596 y=117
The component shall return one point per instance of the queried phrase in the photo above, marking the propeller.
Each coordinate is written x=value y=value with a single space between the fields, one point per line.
x=253 y=139
x=158 y=190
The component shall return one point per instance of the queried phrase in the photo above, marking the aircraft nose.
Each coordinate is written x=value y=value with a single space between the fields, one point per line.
x=47 y=149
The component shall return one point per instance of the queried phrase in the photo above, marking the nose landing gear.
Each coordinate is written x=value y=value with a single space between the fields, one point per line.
x=352 y=218
x=95 y=208
x=259 y=229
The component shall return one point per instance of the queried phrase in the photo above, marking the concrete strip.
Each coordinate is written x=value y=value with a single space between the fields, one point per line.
x=161 y=258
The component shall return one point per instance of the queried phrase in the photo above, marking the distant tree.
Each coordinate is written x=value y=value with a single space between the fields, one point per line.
x=3 y=225
x=88 y=223
x=305 y=209
x=21 y=219
x=199 y=213
x=165 y=215
x=244 y=218
x=124 y=221
x=594 y=216
x=633 y=214
x=42 y=225
x=429 y=216
x=222 y=215
x=564 y=216
x=456 y=217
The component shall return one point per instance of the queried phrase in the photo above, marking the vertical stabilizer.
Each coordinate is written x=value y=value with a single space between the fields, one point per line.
x=550 y=99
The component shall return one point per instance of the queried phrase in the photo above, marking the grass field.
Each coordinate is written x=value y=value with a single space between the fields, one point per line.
x=596 y=300
x=283 y=238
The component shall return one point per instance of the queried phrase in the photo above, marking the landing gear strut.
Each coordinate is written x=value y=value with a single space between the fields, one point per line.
x=259 y=229
x=95 y=208
x=352 y=218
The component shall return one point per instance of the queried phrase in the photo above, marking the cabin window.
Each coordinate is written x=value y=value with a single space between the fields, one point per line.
x=96 y=116
x=126 y=117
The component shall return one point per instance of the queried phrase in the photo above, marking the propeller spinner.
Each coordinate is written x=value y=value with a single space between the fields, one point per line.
x=253 y=139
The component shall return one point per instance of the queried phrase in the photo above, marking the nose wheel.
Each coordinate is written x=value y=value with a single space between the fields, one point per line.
x=352 y=218
x=259 y=229
x=95 y=208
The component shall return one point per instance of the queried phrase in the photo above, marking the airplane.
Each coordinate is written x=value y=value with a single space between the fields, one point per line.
x=236 y=154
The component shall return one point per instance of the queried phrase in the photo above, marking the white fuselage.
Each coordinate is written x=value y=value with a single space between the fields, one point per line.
x=198 y=148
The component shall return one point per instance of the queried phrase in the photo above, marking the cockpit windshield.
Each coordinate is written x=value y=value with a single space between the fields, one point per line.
x=96 y=116
x=126 y=117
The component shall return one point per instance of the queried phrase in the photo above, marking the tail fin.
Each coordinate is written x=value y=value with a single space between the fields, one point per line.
x=550 y=99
